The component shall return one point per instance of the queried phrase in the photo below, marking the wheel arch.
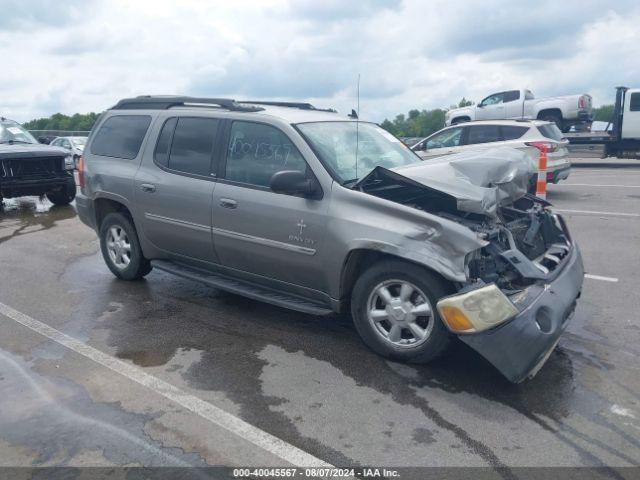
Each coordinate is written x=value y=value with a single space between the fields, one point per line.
x=105 y=205
x=461 y=119
x=550 y=111
x=359 y=259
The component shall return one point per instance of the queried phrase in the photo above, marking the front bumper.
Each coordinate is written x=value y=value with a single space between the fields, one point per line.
x=519 y=347
x=18 y=187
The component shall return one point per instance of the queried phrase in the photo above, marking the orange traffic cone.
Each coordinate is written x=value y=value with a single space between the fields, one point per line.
x=541 y=184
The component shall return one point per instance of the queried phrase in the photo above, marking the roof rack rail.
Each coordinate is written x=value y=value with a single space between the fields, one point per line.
x=164 y=102
x=300 y=105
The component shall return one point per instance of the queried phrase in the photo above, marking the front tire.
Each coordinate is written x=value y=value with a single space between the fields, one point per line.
x=121 y=248
x=393 y=308
x=65 y=195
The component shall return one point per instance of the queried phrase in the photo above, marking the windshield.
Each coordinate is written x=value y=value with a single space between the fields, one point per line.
x=79 y=141
x=339 y=144
x=13 y=132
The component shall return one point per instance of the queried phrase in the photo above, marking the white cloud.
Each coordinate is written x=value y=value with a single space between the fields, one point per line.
x=410 y=54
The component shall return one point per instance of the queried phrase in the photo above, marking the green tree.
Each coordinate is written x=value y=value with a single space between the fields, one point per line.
x=603 y=113
x=59 y=121
x=417 y=123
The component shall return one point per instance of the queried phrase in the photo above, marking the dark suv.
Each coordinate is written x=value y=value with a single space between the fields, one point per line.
x=30 y=168
x=321 y=213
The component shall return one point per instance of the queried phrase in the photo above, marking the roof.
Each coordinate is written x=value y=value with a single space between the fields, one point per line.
x=515 y=123
x=291 y=112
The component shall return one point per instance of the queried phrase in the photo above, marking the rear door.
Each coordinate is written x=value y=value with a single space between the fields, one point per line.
x=512 y=104
x=484 y=136
x=174 y=187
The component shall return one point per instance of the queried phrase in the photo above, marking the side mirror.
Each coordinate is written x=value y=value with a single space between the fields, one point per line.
x=294 y=182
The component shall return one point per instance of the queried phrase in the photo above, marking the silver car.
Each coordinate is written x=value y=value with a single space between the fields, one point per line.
x=529 y=136
x=75 y=146
x=321 y=213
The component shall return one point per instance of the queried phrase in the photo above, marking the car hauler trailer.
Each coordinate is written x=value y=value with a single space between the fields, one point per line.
x=622 y=140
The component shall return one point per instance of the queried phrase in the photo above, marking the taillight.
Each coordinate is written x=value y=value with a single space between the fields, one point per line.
x=582 y=102
x=548 y=146
x=81 y=172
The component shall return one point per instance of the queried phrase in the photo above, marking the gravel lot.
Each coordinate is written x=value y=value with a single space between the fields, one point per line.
x=307 y=382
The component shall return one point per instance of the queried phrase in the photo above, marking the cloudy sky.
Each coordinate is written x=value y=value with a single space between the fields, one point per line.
x=83 y=55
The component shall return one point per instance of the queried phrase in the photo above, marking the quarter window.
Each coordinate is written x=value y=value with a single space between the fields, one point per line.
x=483 y=134
x=512 y=133
x=257 y=151
x=634 y=102
x=186 y=144
x=121 y=136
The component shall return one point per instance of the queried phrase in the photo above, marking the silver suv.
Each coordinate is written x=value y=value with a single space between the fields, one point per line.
x=317 y=212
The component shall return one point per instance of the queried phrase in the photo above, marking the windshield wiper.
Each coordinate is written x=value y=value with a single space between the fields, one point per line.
x=350 y=183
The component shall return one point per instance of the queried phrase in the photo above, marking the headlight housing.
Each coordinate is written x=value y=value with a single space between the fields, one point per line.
x=477 y=310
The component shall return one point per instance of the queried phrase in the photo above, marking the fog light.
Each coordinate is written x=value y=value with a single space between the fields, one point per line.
x=477 y=310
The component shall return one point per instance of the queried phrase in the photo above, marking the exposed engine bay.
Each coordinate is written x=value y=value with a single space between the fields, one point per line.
x=526 y=241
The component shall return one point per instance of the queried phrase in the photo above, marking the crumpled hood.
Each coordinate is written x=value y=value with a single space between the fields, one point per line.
x=480 y=180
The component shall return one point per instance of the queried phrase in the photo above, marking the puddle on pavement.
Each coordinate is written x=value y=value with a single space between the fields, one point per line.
x=54 y=421
x=161 y=316
x=21 y=216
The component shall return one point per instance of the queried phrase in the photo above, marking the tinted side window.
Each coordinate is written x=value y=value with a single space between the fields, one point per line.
x=634 y=102
x=483 y=134
x=511 y=96
x=161 y=154
x=121 y=136
x=192 y=145
x=511 y=133
x=257 y=151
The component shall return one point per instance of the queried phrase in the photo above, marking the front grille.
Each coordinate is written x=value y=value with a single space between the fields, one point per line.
x=35 y=167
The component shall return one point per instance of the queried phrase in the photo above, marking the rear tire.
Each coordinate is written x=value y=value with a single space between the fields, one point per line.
x=121 y=248
x=65 y=195
x=389 y=327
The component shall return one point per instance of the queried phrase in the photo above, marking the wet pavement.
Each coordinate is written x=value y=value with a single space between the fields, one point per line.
x=306 y=380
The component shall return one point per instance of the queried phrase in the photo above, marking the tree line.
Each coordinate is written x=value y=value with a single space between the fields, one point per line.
x=59 y=121
x=416 y=123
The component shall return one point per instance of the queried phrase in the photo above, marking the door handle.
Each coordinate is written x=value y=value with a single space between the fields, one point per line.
x=228 y=203
x=147 y=187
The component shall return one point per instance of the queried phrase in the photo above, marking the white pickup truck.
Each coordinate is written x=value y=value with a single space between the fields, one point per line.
x=565 y=111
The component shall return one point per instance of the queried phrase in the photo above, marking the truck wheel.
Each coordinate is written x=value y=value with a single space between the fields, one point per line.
x=121 y=249
x=65 y=195
x=393 y=305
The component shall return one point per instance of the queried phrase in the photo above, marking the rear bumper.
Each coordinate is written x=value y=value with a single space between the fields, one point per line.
x=86 y=210
x=520 y=347
x=562 y=173
x=585 y=116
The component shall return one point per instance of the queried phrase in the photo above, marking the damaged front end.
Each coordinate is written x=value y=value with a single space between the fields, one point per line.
x=521 y=287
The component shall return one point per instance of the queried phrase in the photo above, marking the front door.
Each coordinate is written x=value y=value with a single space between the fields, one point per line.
x=257 y=231
x=174 y=188
x=442 y=143
x=491 y=108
